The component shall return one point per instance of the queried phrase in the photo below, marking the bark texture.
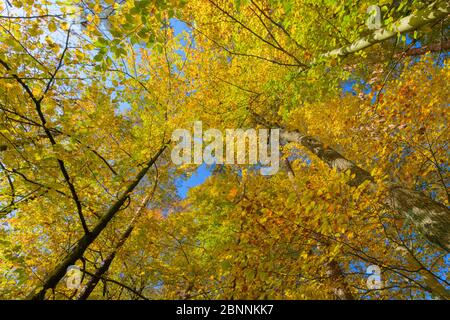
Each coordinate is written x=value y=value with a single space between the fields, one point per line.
x=431 y=219
x=77 y=252
x=430 y=14
x=92 y=283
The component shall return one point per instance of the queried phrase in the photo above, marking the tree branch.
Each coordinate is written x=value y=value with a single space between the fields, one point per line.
x=432 y=13
x=83 y=243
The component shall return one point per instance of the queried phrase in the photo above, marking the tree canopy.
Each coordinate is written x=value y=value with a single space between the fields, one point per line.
x=91 y=91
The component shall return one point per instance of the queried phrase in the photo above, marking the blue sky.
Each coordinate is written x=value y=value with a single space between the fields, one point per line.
x=197 y=178
x=202 y=172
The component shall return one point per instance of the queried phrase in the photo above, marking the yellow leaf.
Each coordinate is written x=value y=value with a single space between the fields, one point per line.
x=52 y=26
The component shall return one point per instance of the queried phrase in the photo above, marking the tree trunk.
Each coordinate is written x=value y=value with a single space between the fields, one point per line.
x=60 y=270
x=92 y=283
x=431 y=219
x=432 y=13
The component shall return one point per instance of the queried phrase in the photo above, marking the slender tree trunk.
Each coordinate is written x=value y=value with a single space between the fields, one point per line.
x=92 y=283
x=77 y=252
x=431 y=219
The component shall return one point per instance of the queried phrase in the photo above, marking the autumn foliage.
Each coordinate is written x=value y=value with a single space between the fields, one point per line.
x=90 y=92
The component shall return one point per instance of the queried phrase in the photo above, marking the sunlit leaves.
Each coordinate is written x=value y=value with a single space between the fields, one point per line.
x=113 y=80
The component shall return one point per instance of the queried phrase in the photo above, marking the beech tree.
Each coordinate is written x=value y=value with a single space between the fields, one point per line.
x=91 y=91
